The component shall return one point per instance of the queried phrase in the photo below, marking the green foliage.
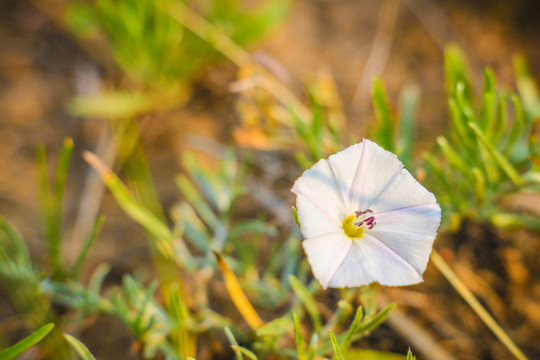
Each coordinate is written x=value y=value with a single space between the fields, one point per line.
x=395 y=133
x=13 y=351
x=80 y=348
x=157 y=52
x=486 y=154
x=153 y=48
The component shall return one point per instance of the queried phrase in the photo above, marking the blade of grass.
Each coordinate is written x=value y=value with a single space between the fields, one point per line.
x=237 y=295
x=128 y=203
x=307 y=299
x=385 y=132
x=299 y=340
x=410 y=97
x=499 y=158
x=80 y=348
x=471 y=300
x=13 y=351
x=249 y=354
x=76 y=271
x=337 y=351
x=234 y=343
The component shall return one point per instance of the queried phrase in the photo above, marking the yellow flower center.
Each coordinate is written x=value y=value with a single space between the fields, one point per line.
x=354 y=224
x=351 y=230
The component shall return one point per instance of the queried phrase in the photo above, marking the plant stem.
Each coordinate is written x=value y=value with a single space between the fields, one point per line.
x=471 y=300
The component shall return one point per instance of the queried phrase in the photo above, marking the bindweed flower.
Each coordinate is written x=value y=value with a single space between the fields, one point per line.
x=365 y=219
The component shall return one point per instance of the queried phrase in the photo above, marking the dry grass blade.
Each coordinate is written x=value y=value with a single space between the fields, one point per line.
x=238 y=297
x=471 y=300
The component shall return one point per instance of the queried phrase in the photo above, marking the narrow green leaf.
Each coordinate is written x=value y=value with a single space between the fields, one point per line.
x=14 y=245
x=248 y=353
x=307 y=300
x=205 y=180
x=517 y=132
x=453 y=157
x=410 y=97
x=197 y=201
x=500 y=159
x=300 y=346
x=276 y=327
x=295 y=216
x=410 y=355
x=460 y=135
x=133 y=208
x=384 y=133
x=489 y=100
x=353 y=329
x=13 y=351
x=313 y=346
x=335 y=346
x=516 y=221
x=479 y=185
x=376 y=320
x=502 y=121
x=80 y=348
x=234 y=343
x=85 y=248
x=527 y=87
x=456 y=70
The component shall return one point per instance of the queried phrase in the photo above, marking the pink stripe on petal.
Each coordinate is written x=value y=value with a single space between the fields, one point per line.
x=358 y=179
x=325 y=254
x=328 y=210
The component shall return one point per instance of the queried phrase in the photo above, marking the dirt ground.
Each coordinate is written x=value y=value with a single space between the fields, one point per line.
x=41 y=67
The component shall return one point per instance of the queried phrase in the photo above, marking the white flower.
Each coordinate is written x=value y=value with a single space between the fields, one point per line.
x=365 y=219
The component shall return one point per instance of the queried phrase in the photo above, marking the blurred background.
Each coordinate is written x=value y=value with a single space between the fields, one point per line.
x=67 y=68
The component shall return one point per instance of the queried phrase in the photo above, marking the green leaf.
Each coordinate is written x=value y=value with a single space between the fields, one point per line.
x=80 y=348
x=335 y=346
x=307 y=300
x=276 y=327
x=234 y=343
x=489 y=100
x=410 y=355
x=386 y=125
x=295 y=216
x=13 y=351
x=134 y=209
x=300 y=346
x=516 y=221
x=456 y=70
x=353 y=329
x=85 y=248
x=362 y=354
x=527 y=87
x=249 y=354
x=499 y=158
x=517 y=132
x=453 y=157
x=410 y=97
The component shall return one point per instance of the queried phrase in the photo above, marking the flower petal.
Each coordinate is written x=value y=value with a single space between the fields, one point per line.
x=405 y=191
x=375 y=172
x=409 y=232
x=325 y=254
x=343 y=166
x=369 y=260
x=319 y=202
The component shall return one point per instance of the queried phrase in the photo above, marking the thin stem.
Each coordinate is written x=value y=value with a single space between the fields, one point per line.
x=471 y=300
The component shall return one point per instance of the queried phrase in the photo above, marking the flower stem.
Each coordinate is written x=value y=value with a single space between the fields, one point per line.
x=471 y=300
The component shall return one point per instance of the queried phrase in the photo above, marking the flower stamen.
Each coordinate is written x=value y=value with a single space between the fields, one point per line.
x=354 y=224
x=365 y=217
